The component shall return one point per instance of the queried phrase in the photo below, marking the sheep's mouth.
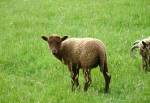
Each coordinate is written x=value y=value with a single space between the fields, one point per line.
x=54 y=53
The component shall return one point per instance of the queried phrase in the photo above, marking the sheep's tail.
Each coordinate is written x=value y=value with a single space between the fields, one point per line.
x=135 y=46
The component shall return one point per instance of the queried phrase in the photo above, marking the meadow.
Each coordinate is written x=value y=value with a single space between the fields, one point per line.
x=29 y=73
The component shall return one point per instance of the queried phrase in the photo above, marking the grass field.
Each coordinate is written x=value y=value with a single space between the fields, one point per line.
x=30 y=74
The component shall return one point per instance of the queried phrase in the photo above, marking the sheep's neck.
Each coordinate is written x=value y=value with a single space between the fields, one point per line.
x=58 y=56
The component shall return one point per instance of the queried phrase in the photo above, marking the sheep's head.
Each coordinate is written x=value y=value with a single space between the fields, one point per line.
x=54 y=42
x=145 y=48
x=146 y=45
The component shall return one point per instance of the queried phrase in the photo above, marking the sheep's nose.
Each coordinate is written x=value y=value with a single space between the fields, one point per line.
x=54 y=51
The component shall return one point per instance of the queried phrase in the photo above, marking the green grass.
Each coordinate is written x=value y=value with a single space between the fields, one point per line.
x=30 y=74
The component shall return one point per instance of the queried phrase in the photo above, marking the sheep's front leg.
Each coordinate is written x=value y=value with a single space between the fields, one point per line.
x=144 y=63
x=87 y=78
x=74 y=76
x=148 y=62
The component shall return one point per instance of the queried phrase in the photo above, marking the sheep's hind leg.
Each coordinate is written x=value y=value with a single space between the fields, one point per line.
x=106 y=75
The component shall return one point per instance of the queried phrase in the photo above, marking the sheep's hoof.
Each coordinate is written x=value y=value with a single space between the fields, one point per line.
x=85 y=88
x=106 y=91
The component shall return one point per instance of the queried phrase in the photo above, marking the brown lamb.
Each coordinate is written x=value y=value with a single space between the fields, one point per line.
x=76 y=53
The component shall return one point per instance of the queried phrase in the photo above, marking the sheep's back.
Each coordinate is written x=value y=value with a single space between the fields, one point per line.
x=92 y=52
x=83 y=49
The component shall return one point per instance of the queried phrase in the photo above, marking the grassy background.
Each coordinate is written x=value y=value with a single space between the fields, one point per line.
x=30 y=74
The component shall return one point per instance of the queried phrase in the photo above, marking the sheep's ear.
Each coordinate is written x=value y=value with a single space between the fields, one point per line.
x=64 y=37
x=44 y=38
x=144 y=44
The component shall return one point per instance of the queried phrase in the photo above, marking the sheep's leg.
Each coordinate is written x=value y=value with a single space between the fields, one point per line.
x=149 y=63
x=70 y=67
x=74 y=76
x=144 y=63
x=87 y=77
x=72 y=81
x=149 y=60
x=107 y=76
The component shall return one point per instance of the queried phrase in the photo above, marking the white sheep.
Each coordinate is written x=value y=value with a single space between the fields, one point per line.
x=144 y=47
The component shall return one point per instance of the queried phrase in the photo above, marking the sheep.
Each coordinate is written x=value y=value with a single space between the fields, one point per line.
x=144 y=46
x=76 y=53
